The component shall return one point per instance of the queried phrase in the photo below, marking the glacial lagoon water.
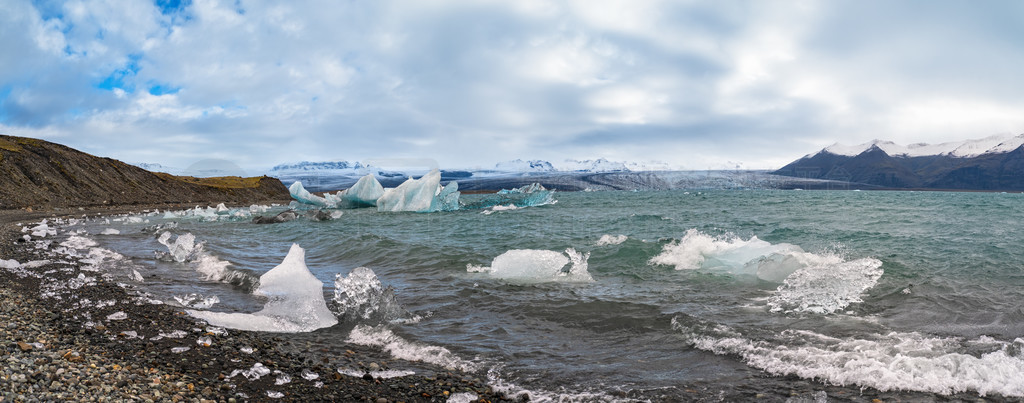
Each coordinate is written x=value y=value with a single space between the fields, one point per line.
x=605 y=294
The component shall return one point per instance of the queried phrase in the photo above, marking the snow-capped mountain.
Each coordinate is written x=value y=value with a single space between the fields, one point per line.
x=154 y=167
x=991 y=163
x=519 y=165
x=960 y=149
x=317 y=166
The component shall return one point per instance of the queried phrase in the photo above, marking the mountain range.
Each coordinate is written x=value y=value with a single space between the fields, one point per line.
x=993 y=163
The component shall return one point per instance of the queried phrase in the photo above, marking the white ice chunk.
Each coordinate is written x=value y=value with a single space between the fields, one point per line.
x=9 y=264
x=184 y=247
x=110 y=231
x=533 y=265
x=360 y=296
x=295 y=301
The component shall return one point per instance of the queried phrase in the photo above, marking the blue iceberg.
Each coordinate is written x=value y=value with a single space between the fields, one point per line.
x=421 y=195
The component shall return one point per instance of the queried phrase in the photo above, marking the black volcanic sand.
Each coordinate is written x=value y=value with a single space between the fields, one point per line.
x=63 y=338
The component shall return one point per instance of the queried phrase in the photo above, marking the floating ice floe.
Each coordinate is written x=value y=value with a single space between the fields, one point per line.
x=295 y=301
x=533 y=265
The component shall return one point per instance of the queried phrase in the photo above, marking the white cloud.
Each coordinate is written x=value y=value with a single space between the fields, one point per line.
x=469 y=83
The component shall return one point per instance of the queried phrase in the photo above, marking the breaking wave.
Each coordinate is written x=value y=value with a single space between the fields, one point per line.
x=889 y=362
x=812 y=283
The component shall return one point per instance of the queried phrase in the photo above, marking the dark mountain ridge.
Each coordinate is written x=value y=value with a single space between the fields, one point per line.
x=37 y=173
x=991 y=171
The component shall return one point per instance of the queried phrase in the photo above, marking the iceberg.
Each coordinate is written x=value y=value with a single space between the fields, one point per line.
x=364 y=193
x=295 y=301
x=421 y=195
x=302 y=195
x=527 y=196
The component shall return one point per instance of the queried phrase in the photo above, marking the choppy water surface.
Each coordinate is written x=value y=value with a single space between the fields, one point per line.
x=648 y=291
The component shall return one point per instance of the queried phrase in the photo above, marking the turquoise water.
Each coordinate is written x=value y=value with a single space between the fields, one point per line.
x=918 y=291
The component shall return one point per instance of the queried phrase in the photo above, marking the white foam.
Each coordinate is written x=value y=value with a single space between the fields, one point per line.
x=826 y=289
x=380 y=336
x=535 y=265
x=895 y=361
x=608 y=239
x=295 y=301
x=731 y=254
x=385 y=374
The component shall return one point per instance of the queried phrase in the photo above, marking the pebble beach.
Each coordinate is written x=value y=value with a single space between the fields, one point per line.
x=69 y=334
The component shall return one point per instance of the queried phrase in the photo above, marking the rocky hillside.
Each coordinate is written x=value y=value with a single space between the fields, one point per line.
x=41 y=174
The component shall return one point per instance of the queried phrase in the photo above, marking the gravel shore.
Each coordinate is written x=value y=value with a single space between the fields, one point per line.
x=70 y=334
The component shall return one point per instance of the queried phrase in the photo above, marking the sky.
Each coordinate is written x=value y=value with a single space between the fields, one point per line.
x=469 y=83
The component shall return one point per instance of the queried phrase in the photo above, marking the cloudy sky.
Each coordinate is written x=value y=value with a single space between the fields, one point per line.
x=471 y=82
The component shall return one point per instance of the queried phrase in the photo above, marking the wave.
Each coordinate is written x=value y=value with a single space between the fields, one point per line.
x=889 y=362
x=608 y=239
x=398 y=347
x=185 y=249
x=533 y=265
x=813 y=283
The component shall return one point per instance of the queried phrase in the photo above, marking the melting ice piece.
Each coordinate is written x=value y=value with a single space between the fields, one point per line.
x=110 y=231
x=769 y=262
x=421 y=195
x=9 y=264
x=183 y=249
x=295 y=301
x=360 y=297
x=533 y=265
x=302 y=195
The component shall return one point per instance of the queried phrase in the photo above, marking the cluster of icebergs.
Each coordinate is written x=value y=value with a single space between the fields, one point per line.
x=421 y=195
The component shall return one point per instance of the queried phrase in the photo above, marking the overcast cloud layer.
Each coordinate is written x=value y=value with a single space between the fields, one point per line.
x=470 y=83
